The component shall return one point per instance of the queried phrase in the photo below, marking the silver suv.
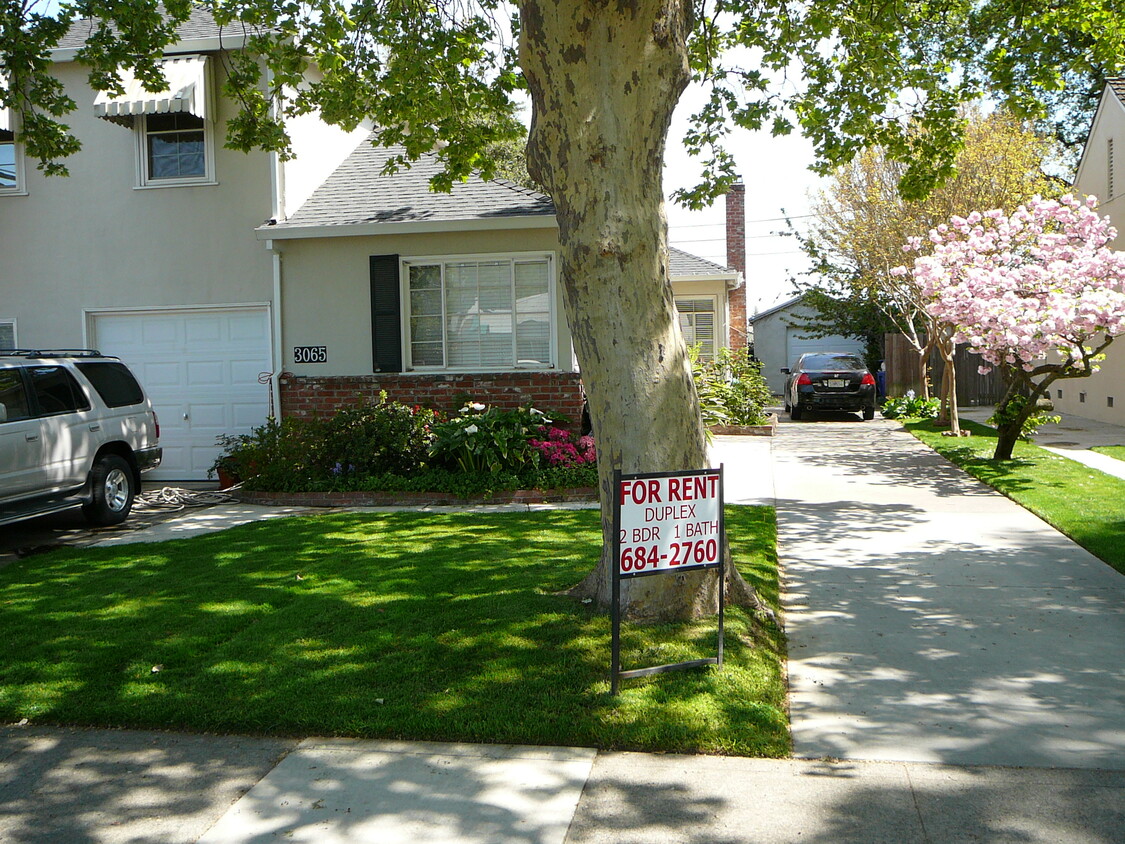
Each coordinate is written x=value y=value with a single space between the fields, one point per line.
x=76 y=428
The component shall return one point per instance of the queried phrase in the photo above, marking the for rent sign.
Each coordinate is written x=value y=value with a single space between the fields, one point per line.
x=669 y=522
x=665 y=522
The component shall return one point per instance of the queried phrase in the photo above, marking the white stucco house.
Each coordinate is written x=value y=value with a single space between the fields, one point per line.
x=239 y=286
x=1101 y=172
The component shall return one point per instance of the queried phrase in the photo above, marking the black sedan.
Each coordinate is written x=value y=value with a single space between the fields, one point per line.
x=829 y=381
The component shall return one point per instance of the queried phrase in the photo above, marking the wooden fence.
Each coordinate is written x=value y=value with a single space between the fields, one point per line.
x=901 y=365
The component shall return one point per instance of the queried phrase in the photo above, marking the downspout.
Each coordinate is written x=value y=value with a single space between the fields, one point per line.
x=275 y=380
x=277 y=212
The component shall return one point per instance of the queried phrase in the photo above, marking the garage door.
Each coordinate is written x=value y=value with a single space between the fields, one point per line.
x=796 y=344
x=201 y=368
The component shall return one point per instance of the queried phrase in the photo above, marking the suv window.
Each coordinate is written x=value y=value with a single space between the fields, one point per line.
x=56 y=390
x=114 y=383
x=13 y=396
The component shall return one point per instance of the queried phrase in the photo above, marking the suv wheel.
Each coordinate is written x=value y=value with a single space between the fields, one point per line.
x=795 y=413
x=113 y=489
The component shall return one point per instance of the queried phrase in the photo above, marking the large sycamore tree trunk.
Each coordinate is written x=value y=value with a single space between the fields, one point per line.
x=604 y=80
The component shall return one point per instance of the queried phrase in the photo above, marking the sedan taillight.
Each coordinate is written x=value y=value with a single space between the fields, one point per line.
x=803 y=380
x=867 y=380
x=156 y=423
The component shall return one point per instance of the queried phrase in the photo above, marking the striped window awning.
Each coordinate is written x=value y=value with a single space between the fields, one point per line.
x=187 y=91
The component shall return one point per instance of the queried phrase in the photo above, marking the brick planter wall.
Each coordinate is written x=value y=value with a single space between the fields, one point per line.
x=415 y=499
x=556 y=392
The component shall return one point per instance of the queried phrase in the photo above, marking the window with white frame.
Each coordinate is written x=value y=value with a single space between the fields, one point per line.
x=479 y=314
x=11 y=163
x=7 y=334
x=174 y=149
x=698 y=323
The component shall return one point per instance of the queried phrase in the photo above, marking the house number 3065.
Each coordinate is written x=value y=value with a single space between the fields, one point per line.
x=310 y=354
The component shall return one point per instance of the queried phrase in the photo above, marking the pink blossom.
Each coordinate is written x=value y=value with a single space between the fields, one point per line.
x=1023 y=287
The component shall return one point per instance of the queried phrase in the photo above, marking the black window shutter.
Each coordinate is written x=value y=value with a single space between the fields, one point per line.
x=386 y=326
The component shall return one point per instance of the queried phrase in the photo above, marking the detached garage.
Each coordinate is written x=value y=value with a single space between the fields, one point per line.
x=778 y=344
x=206 y=369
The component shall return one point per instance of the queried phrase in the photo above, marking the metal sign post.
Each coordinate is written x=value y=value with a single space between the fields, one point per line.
x=665 y=523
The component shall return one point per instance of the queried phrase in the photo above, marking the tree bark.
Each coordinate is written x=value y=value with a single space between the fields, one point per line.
x=949 y=412
x=601 y=112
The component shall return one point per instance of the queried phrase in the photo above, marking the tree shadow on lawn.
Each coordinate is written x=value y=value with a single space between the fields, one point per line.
x=398 y=625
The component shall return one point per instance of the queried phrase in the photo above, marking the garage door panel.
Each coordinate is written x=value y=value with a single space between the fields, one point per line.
x=207 y=372
x=248 y=330
x=202 y=365
x=215 y=416
x=204 y=331
x=155 y=376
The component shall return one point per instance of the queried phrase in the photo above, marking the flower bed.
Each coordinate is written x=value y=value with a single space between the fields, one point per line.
x=384 y=453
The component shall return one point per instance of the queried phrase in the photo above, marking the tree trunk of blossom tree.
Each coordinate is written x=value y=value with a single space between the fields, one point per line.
x=601 y=112
x=948 y=415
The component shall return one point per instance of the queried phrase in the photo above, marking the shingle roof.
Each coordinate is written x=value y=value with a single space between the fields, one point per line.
x=1117 y=85
x=200 y=24
x=684 y=263
x=358 y=192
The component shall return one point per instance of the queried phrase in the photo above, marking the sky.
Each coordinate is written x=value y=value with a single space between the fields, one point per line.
x=778 y=183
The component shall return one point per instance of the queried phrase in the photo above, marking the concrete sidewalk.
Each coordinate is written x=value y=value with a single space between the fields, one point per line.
x=119 y=786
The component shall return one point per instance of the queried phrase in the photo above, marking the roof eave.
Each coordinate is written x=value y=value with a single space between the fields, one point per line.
x=190 y=45
x=779 y=307
x=298 y=232
x=733 y=279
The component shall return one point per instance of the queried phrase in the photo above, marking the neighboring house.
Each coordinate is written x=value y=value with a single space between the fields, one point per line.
x=1101 y=172
x=239 y=286
x=778 y=344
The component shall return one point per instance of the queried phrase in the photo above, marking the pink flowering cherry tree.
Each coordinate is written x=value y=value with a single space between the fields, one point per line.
x=1038 y=292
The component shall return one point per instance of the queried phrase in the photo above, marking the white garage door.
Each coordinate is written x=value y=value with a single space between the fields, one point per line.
x=796 y=344
x=201 y=369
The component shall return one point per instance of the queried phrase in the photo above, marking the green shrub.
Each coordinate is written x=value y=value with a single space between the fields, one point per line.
x=1011 y=411
x=374 y=438
x=731 y=388
x=391 y=447
x=296 y=454
x=911 y=406
x=481 y=439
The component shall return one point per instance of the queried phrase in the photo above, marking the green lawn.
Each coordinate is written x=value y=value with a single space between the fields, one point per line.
x=1116 y=451
x=1085 y=504
x=404 y=625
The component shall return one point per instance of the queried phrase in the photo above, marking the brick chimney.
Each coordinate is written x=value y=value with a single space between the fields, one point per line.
x=736 y=260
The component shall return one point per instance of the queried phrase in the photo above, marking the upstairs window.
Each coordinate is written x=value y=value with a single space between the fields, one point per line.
x=175 y=147
x=7 y=334
x=174 y=127
x=11 y=161
x=470 y=315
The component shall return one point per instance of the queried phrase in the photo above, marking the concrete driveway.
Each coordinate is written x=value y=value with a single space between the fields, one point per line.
x=931 y=619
